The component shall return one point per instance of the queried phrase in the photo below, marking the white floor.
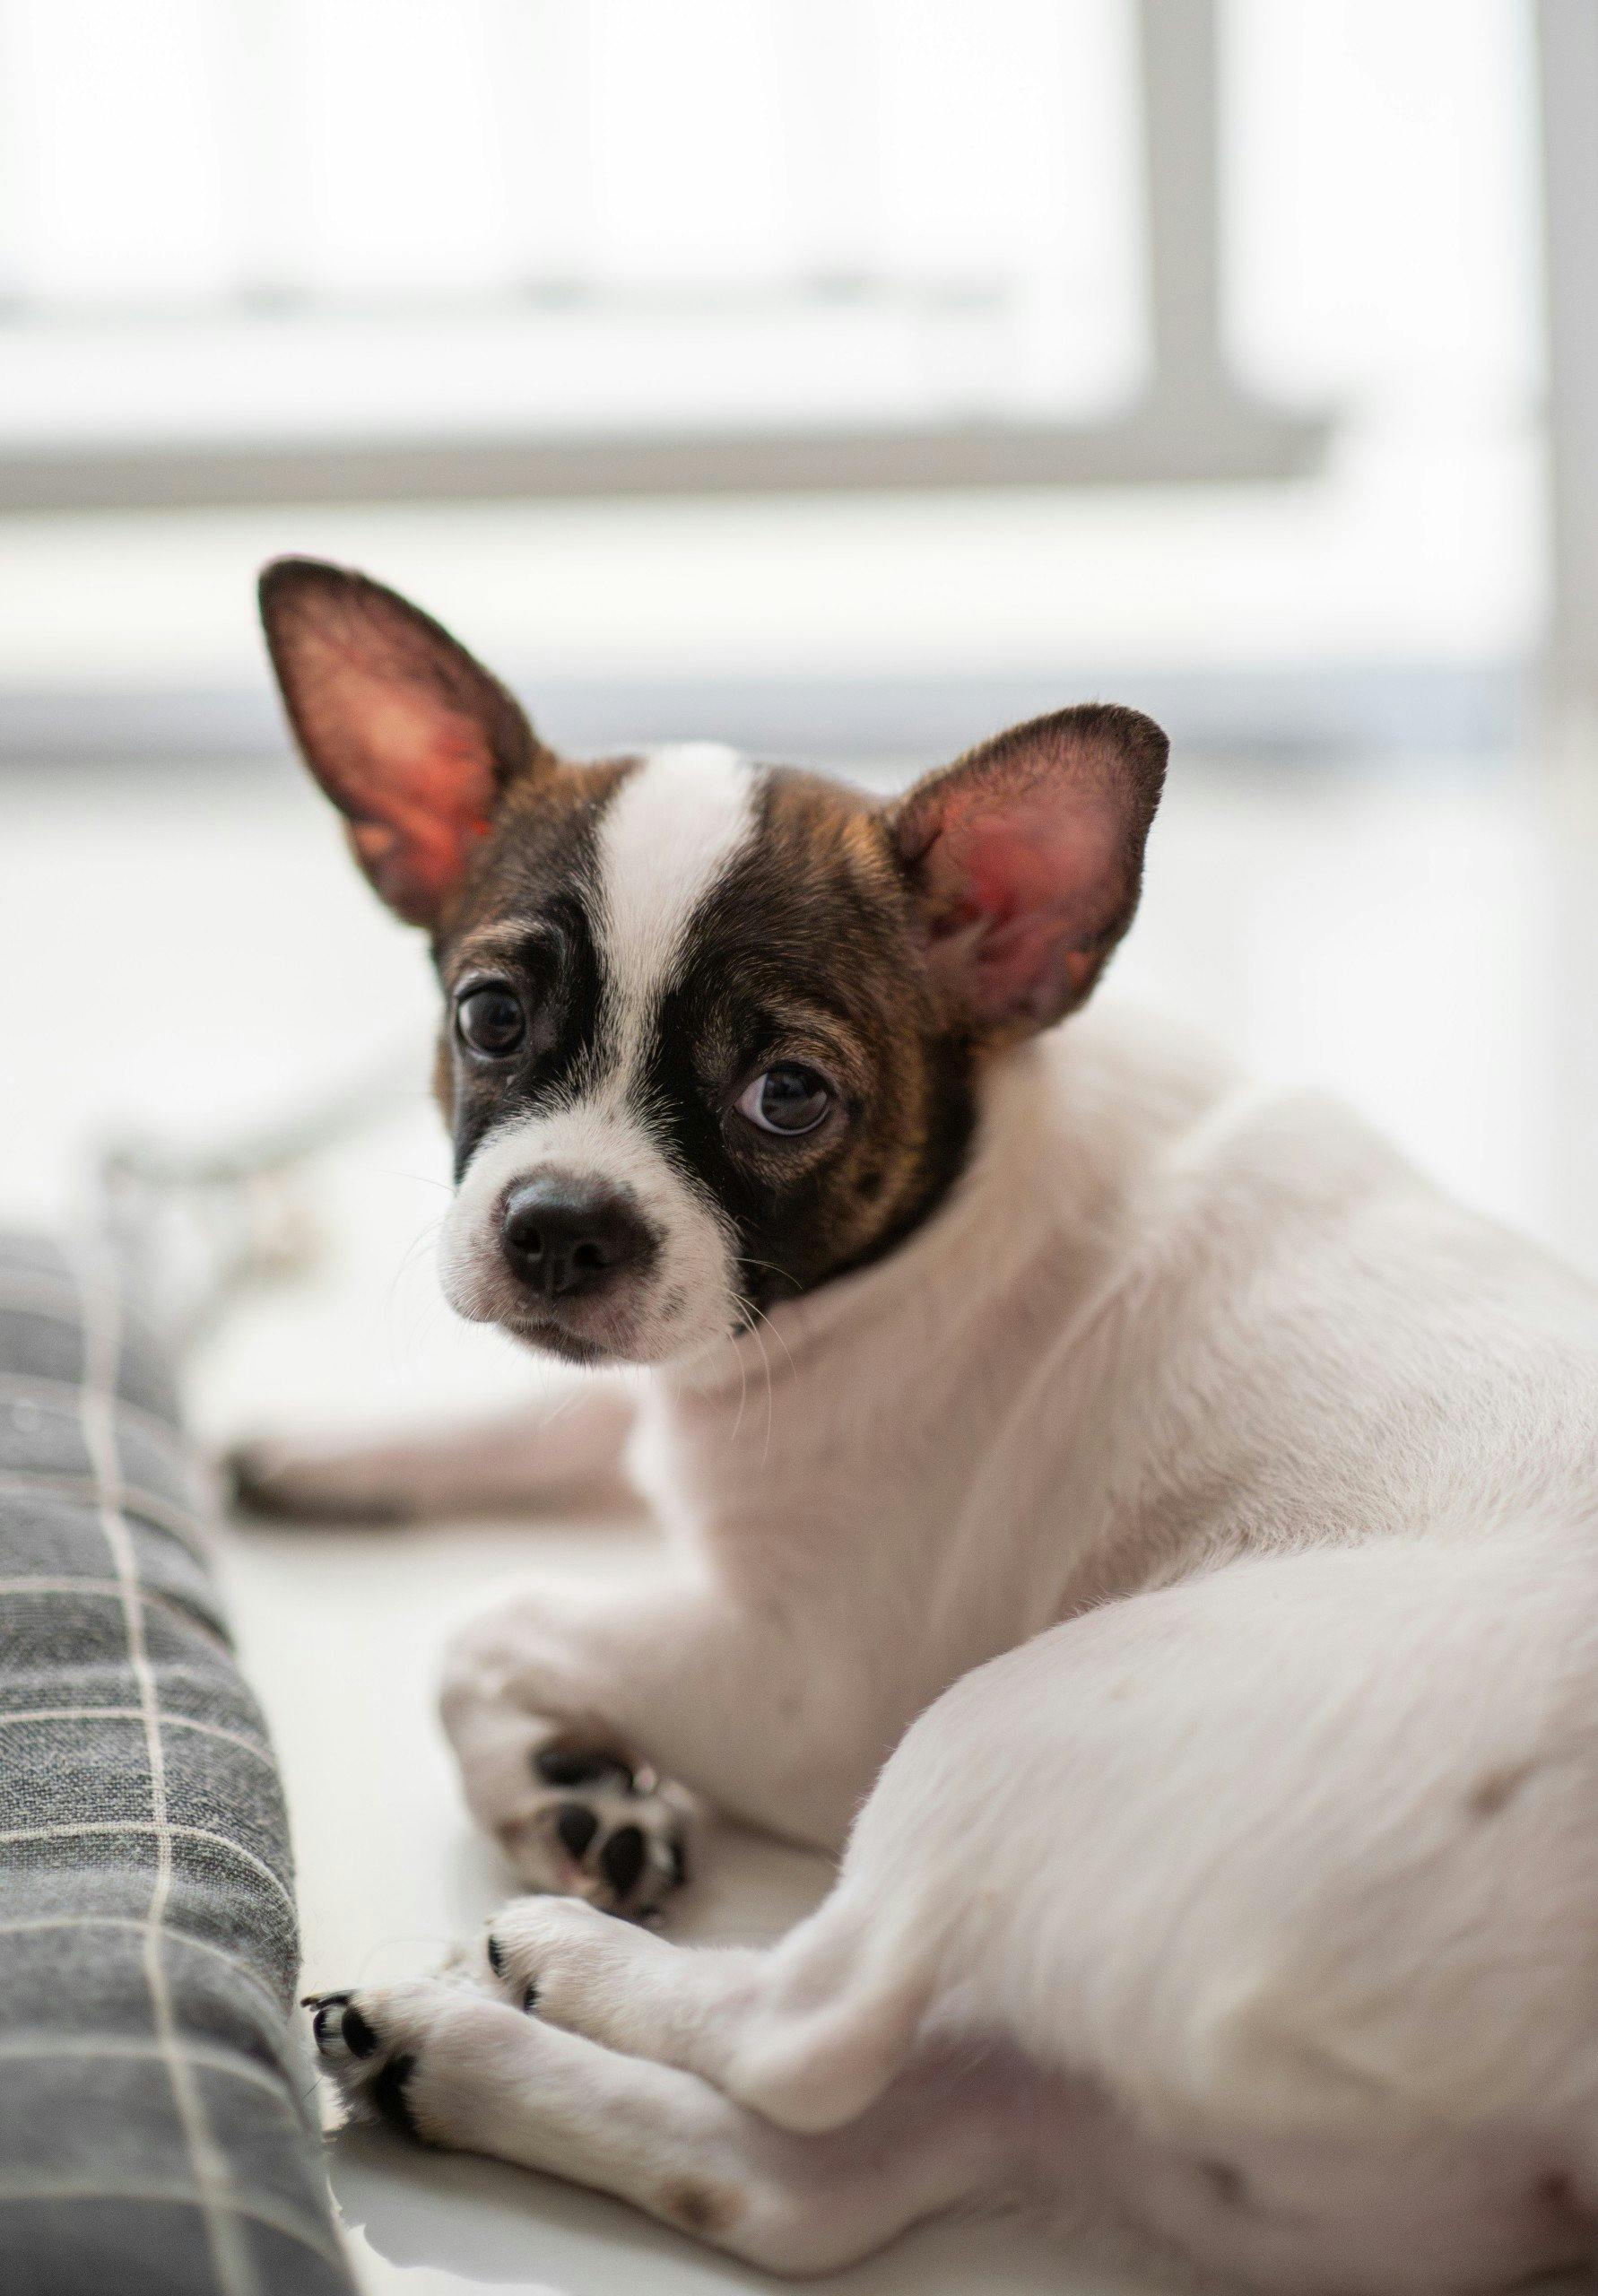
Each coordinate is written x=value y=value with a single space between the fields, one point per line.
x=186 y=955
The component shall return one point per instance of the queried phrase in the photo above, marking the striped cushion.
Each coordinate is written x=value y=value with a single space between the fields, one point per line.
x=156 y=2126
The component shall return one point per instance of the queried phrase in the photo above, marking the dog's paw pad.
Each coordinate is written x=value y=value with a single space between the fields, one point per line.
x=387 y=2092
x=603 y=1830
x=576 y=1825
x=568 y=1763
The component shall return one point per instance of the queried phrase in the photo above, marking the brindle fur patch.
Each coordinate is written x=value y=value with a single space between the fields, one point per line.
x=809 y=951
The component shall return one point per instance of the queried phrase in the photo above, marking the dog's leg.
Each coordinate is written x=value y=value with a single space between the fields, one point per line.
x=456 y=2069
x=510 y=1463
x=1342 y=2043
x=568 y=1708
x=809 y=2032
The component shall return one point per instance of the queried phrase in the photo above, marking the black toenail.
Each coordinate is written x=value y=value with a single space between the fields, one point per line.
x=577 y=1765
x=530 y=1999
x=387 y=2094
x=496 y=1956
x=576 y=1825
x=359 y=2037
x=621 y=1860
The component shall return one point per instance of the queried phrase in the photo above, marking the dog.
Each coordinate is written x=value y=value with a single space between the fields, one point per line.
x=1128 y=1515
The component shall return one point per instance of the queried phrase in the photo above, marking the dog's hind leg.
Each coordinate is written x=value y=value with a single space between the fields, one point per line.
x=456 y=2069
x=1293 y=1865
x=512 y=1463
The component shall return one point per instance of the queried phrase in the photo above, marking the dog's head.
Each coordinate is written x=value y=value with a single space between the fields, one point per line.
x=713 y=1031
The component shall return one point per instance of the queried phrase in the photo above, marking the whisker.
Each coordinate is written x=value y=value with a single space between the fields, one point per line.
x=409 y=1256
x=765 y=1318
x=563 y=1409
x=743 y=1399
x=766 y=1363
x=768 y=1267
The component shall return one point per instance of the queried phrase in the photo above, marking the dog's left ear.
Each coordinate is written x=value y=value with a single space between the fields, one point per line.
x=1025 y=858
x=414 y=741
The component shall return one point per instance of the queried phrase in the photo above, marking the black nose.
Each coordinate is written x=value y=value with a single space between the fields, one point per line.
x=566 y=1240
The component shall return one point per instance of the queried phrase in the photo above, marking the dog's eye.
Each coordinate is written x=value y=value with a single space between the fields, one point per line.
x=786 y=1099
x=492 y=1021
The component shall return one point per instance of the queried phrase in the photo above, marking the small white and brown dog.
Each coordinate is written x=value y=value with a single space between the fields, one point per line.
x=1161 y=1556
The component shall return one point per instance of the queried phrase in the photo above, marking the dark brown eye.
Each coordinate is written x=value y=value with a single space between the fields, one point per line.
x=787 y=1099
x=491 y=1021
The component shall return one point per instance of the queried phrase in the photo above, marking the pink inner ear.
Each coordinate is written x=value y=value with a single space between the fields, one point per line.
x=418 y=788
x=1024 y=858
x=1030 y=858
x=1022 y=897
x=1038 y=858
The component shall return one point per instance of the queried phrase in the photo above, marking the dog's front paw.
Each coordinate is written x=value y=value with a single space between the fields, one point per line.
x=413 y=2055
x=601 y=1828
x=311 y=1483
x=561 y=1958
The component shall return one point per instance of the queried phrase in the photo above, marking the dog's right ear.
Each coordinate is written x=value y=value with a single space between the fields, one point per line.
x=1024 y=858
x=412 y=739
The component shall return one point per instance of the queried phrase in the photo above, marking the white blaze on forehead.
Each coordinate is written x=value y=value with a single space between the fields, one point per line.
x=665 y=840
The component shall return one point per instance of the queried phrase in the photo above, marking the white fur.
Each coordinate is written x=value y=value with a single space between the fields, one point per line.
x=665 y=840
x=1183 y=1554
x=600 y=1136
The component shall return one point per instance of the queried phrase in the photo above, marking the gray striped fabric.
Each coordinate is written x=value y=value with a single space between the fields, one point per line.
x=156 y=2129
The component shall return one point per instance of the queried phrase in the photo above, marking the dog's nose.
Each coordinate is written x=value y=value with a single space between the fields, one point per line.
x=565 y=1239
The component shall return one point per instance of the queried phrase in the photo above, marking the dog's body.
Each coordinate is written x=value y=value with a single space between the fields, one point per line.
x=1171 y=1530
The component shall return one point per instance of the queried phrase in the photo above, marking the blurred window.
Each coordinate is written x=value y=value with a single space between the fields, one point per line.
x=962 y=297
x=274 y=219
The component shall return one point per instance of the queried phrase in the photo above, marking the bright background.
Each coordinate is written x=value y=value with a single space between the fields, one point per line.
x=479 y=269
